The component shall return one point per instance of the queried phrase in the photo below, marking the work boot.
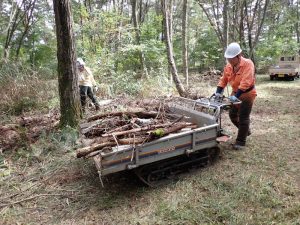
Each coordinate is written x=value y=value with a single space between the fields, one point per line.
x=249 y=132
x=238 y=145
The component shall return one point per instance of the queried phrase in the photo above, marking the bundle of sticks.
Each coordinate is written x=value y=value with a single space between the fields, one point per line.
x=132 y=127
x=27 y=130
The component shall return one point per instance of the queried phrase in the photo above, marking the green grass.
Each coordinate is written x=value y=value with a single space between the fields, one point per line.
x=257 y=186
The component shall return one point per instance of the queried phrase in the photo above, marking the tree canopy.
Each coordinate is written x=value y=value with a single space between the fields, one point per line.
x=106 y=32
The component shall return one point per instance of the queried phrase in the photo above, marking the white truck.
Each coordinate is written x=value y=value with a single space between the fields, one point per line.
x=288 y=68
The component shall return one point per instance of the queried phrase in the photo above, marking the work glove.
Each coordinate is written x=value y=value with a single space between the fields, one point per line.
x=96 y=88
x=218 y=96
x=233 y=99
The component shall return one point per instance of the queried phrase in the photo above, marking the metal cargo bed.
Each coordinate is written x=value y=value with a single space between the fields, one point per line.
x=202 y=113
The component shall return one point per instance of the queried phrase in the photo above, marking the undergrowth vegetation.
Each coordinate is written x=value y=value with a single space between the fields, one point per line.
x=23 y=89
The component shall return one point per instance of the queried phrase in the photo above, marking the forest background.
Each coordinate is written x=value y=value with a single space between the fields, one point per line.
x=123 y=42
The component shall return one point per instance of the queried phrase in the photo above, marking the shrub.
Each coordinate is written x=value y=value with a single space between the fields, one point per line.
x=22 y=89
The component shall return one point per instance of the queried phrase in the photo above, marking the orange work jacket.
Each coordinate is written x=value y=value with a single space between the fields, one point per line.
x=243 y=79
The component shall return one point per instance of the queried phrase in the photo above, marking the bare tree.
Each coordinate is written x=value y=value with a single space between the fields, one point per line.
x=27 y=22
x=297 y=24
x=214 y=13
x=169 y=46
x=119 y=25
x=185 y=67
x=239 y=18
x=81 y=25
x=19 y=24
x=67 y=75
x=138 y=37
x=255 y=16
x=16 y=17
x=170 y=22
x=225 y=21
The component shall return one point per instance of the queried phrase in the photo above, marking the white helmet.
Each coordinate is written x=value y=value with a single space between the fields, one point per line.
x=232 y=50
x=80 y=62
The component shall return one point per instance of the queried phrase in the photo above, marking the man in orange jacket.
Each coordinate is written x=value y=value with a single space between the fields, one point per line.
x=240 y=74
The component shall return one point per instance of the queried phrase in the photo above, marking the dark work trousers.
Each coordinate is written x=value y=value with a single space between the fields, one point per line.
x=240 y=117
x=87 y=91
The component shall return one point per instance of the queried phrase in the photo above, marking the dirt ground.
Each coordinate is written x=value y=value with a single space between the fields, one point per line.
x=259 y=185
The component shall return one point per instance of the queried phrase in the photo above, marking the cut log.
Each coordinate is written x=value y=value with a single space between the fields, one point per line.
x=138 y=113
x=136 y=130
x=82 y=152
x=89 y=149
x=146 y=115
x=165 y=131
x=130 y=141
x=92 y=154
x=119 y=113
x=122 y=128
x=101 y=126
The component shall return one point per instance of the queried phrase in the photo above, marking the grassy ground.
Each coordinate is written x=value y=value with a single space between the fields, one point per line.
x=259 y=185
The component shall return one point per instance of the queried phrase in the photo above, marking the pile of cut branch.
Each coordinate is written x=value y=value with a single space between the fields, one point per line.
x=132 y=127
x=27 y=130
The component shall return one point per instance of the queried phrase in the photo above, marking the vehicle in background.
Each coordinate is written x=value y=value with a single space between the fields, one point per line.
x=288 y=68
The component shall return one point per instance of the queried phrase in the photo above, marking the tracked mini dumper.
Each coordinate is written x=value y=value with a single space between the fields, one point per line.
x=165 y=157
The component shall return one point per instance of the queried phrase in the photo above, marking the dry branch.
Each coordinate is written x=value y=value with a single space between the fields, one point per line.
x=138 y=113
x=81 y=152
x=153 y=134
x=122 y=128
x=135 y=130
x=165 y=131
x=119 y=113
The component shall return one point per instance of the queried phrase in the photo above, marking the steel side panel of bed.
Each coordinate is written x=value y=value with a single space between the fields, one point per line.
x=161 y=149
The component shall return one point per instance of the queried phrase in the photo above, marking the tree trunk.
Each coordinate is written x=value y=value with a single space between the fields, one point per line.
x=11 y=28
x=140 y=11
x=170 y=19
x=170 y=22
x=119 y=27
x=81 y=25
x=21 y=42
x=297 y=25
x=67 y=74
x=138 y=37
x=241 y=27
x=258 y=13
x=185 y=66
x=213 y=19
x=226 y=21
x=169 y=47
x=27 y=24
x=32 y=51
